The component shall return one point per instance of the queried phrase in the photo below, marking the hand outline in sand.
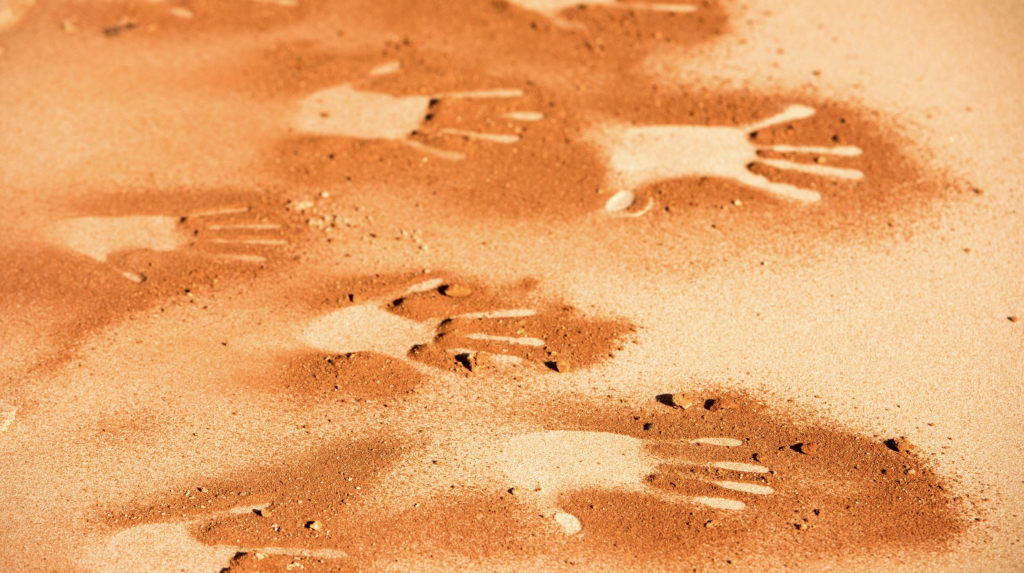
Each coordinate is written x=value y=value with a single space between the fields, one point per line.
x=100 y=237
x=552 y=9
x=347 y=111
x=175 y=549
x=344 y=331
x=551 y=464
x=641 y=155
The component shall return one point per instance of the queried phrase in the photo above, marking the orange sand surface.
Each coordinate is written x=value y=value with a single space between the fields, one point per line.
x=511 y=285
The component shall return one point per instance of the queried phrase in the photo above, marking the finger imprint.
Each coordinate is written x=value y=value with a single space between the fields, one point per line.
x=221 y=211
x=513 y=313
x=724 y=442
x=425 y=286
x=246 y=227
x=670 y=8
x=439 y=153
x=499 y=359
x=791 y=113
x=745 y=487
x=524 y=115
x=242 y=258
x=740 y=467
x=267 y=242
x=483 y=94
x=525 y=340
x=474 y=135
x=719 y=503
x=842 y=150
x=822 y=170
x=385 y=69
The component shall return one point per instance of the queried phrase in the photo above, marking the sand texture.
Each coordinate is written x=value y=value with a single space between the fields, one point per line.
x=511 y=285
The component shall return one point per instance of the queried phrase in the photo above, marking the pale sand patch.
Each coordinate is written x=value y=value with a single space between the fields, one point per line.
x=7 y=413
x=100 y=237
x=349 y=112
x=367 y=328
x=157 y=548
x=12 y=12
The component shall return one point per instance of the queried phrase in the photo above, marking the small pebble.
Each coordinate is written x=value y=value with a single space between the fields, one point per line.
x=902 y=445
x=808 y=448
x=477 y=361
x=315 y=525
x=683 y=401
x=1013 y=318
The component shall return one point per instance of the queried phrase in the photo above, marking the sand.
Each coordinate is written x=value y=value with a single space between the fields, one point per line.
x=388 y=286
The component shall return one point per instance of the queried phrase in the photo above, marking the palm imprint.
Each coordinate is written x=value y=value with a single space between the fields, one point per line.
x=552 y=9
x=641 y=155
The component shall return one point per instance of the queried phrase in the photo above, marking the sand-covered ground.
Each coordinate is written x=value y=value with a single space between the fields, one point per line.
x=512 y=285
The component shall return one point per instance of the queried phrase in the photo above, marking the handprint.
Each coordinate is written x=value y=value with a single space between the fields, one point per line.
x=548 y=465
x=349 y=111
x=640 y=155
x=172 y=547
x=552 y=9
x=445 y=323
x=228 y=233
